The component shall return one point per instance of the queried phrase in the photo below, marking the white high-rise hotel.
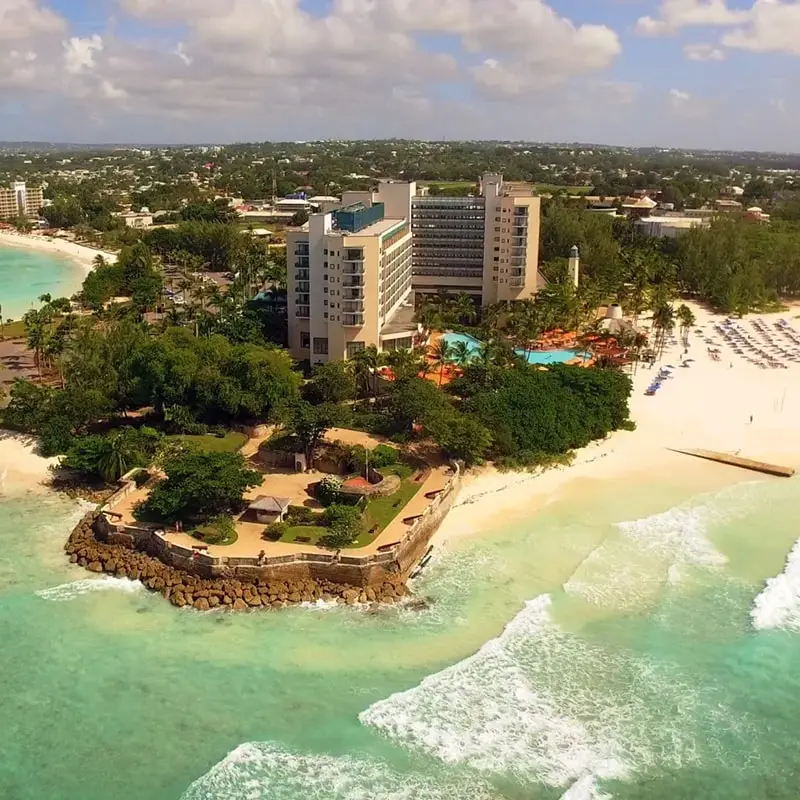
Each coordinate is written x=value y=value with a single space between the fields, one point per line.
x=353 y=272
x=20 y=201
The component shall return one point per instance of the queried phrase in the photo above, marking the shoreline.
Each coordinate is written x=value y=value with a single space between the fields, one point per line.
x=707 y=406
x=21 y=468
x=77 y=253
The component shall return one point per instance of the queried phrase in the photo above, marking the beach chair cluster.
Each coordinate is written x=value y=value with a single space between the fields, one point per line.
x=665 y=373
x=765 y=345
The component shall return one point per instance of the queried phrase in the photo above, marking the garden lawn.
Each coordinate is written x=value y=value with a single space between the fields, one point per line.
x=13 y=330
x=312 y=532
x=232 y=442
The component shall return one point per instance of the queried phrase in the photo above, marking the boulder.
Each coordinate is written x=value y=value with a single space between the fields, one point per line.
x=254 y=600
x=239 y=604
x=177 y=599
x=201 y=604
x=213 y=601
x=95 y=566
x=295 y=597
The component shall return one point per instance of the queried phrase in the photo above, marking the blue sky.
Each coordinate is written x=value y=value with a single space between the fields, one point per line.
x=682 y=73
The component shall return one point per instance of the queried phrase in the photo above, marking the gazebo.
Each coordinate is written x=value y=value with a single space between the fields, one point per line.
x=268 y=509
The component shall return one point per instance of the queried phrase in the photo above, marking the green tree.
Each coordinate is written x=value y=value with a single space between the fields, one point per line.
x=200 y=486
x=310 y=424
x=345 y=523
x=332 y=382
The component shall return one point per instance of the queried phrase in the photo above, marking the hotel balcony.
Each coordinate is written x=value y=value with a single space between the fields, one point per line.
x=353 y=254
x=353 y=267
x=302 y=300
x=353 y=293
x=302 y=286
x=353 y=320
x=302 y=274
x=353 y=306
x=353 y=281
x=516 y=283
x=304 y=312
x=302 y=263
x=301 y=249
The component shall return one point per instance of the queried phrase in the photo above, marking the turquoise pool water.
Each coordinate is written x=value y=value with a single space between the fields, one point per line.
x=538 y=357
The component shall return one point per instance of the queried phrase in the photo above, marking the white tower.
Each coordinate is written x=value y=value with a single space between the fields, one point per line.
x=574 y=268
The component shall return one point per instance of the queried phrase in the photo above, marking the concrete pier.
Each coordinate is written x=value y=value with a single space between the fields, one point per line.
x=743 y=463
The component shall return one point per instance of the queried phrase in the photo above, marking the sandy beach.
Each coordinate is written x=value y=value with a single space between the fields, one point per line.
x=707 y=405
x=37 y=241
x=21 y=469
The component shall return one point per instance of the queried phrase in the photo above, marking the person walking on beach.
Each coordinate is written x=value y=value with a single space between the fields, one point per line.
x=751 y=419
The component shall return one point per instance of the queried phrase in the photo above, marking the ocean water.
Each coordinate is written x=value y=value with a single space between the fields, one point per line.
x=27 y=274
x=627 y=641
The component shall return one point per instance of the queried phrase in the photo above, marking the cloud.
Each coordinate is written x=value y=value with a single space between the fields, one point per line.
x=703 y=52
x=771 y=26
x=79 y=53
x=676 y=14
x=679 y=99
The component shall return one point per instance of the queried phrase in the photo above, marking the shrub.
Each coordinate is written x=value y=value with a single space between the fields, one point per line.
x=219 y=530
x=328 y=490
x=140 y=477
x=276 y=531
x=345 y=523
x=384 y=456
x=300 y=515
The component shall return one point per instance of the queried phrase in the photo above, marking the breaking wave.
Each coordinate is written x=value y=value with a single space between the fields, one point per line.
x=69 y=591
x=778 y=605
x=543 y=707
x=263 y=771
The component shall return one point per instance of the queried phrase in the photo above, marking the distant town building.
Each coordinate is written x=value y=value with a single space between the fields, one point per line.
x=669 y=227
x=20 y=201
x=139 y=220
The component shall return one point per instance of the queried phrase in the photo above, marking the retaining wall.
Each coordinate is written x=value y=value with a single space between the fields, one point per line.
x=396 y=561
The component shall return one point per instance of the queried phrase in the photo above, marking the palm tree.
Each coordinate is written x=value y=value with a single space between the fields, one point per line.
x=687 y=320
x=440 y=355
x=119 y=456
x=460 y=354
x=365 y=368
x=464 y=308
x=663 y=323
x=404 y=363
x=99 y=262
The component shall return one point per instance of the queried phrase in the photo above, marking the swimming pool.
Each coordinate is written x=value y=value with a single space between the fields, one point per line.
x=534 y=357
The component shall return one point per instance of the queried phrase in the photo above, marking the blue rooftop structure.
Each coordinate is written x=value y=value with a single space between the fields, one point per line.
x=357 y=217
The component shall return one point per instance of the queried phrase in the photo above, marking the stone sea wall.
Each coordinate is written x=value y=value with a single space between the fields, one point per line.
x=184 y=588
x=188 y=577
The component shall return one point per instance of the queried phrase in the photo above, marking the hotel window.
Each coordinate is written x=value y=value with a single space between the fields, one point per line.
x=305 y=340
x=320 y=346
x=355 y=347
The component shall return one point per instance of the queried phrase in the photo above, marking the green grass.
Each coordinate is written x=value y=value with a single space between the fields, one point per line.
x=555 y=187
x=13 y=330
x=381 y=511
x=312 y=532
x=218 y=535
x=232 y=442
x=450 y=184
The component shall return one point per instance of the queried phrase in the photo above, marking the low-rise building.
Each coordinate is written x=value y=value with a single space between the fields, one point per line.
x=669 y=227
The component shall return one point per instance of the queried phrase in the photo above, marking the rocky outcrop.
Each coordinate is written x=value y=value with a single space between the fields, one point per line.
x=185 y=589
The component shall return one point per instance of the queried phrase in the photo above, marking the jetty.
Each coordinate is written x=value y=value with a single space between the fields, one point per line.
x=743 y=463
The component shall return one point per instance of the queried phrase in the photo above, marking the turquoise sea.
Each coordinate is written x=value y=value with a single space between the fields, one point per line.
x=623 y=642
x=27 y=274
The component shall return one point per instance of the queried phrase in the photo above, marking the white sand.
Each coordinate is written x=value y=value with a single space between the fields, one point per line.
x=37 y=241
x=20 y=468
x=706 y=406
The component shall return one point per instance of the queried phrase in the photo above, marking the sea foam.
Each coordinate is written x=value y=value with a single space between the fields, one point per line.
x=542 y=706
x=778 y=605
x=69 y=591
x=264 y=771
